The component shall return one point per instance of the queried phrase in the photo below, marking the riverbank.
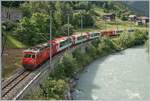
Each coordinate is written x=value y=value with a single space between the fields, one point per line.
x=71 y=65
x=119 y=76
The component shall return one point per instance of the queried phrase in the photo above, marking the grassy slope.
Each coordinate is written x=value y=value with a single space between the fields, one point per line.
x=12 y=55
x=12 y=42
x=101 y=24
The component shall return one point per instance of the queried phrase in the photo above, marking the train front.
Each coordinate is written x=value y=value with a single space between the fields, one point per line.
x=29 y=60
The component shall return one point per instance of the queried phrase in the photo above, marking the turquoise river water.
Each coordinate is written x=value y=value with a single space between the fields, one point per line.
x=120 y=76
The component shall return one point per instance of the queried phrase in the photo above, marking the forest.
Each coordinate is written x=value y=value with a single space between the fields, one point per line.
x=34 y=27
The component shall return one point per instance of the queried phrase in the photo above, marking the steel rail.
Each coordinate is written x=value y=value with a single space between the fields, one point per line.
x=6 y=89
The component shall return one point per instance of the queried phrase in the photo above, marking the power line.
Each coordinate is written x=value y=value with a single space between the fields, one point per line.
x=50 y=37
x=43 y=37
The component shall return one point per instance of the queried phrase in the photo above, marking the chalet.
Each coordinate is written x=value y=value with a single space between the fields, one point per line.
x=132 y=18
x=109 y=17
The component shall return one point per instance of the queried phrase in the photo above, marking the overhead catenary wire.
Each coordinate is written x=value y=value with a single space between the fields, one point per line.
x=43 y=37
x=81 y=24
x=50 y=37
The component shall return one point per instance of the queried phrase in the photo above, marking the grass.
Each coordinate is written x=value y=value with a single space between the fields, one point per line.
x=12 y=42
x=99 y=11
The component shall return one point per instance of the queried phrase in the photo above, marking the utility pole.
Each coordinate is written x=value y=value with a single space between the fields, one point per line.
x=50 y=38
x=68 y=26
x=81 y=24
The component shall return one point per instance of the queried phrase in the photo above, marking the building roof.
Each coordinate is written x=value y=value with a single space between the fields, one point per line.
x=131 y=16
x=143 y=17
x=37 y=48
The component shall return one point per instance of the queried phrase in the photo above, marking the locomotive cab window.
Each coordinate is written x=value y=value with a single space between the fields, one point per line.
x=29 y=56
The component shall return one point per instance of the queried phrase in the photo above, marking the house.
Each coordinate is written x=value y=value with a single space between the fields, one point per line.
x=138 y=22
x=109 y=17
x=132 y=18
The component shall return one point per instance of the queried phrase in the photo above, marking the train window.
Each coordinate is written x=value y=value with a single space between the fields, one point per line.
x=63 y=43
x=28 y=56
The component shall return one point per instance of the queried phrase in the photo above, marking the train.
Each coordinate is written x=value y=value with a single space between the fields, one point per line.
x=35 y=56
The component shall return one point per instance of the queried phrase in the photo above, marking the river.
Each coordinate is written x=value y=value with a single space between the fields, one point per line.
x=120 y=76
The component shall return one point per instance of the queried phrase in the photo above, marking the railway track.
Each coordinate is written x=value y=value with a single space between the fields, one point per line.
x=9 y=86
x=13 y=87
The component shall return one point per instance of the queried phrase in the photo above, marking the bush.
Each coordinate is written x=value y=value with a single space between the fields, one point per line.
x=81 y=58
x=106 y=46
x=140 y=37
x=54 y=89
x=70 y=64
x=8 y=26
x=126 y=40
x=67 y=67
x=91 y=51
x=124 y=18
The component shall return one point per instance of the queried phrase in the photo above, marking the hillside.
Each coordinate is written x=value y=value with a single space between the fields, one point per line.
x=92 y=17
x=12 y=42
x=138 y=7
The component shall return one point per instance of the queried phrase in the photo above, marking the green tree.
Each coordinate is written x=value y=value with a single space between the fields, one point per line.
x=64 y=29
x=54 y=89
x=71 y=65
x=91 y=50
x=81 y=58
x=31 y=7
x=58 y=15
x=66 y=67
x=124 y=18
x=12 y=3
x=30 y=29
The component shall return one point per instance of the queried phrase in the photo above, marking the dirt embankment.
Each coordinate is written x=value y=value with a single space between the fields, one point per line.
x=11 y=60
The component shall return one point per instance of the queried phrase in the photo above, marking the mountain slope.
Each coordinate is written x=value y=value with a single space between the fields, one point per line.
x=138 y=7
